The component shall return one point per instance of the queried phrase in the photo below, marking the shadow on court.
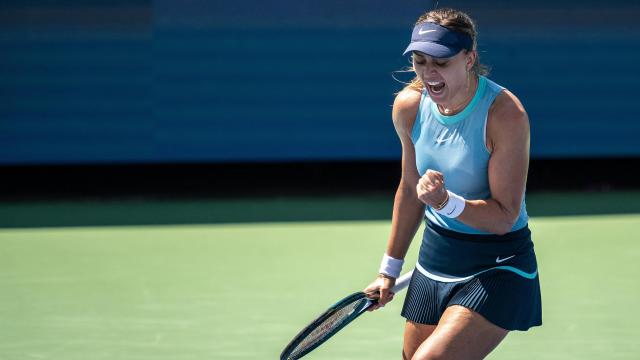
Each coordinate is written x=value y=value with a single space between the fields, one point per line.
x=284 y=209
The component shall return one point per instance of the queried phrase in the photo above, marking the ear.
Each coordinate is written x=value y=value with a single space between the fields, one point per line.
x=471 y=59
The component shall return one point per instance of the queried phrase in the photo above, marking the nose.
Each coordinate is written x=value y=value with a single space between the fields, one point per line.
x=427 y=70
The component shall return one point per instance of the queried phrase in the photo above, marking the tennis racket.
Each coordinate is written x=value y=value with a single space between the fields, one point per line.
x=333 y=320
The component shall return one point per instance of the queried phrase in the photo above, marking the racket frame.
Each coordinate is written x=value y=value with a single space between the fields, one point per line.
x=401 y=283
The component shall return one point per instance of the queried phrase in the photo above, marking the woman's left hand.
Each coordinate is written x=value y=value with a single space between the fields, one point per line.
x=431 y=189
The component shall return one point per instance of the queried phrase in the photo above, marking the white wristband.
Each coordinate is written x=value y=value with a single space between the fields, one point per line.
x=391 y=266
x=454 y=206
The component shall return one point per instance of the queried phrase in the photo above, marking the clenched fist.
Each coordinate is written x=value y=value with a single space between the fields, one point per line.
x=431 y=189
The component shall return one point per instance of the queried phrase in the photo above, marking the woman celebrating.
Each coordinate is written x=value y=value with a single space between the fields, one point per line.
x=465 y=155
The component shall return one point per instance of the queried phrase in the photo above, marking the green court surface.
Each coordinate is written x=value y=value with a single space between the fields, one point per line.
x=241 y=290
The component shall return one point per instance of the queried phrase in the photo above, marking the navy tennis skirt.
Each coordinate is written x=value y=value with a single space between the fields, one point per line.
x=501 y=282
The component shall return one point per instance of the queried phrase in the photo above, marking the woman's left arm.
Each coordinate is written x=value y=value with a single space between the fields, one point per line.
x=508 y=143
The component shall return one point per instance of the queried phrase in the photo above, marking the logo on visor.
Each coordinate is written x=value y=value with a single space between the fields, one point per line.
x=420 y=32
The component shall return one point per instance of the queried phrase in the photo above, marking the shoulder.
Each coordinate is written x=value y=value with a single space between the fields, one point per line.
x=507 y=110
x=507 y=106
x=507 y=116
x=405 y=109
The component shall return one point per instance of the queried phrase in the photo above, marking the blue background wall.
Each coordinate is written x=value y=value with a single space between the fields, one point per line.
x=97 y=82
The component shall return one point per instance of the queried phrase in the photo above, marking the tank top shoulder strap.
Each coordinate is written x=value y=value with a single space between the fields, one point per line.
x=491 y=92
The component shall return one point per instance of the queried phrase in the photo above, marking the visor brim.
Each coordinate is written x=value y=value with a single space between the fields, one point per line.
x=432 y=49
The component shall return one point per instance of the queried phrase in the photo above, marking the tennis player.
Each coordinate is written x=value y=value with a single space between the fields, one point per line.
x=465 y=156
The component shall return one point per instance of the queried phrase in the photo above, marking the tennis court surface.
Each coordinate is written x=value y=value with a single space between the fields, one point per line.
x=238 y=279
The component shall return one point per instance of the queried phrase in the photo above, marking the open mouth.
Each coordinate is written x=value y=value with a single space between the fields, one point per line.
x=435 y=87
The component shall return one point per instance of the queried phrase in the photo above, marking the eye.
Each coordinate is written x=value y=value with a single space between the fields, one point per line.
x=441 y=63
x=422 y=62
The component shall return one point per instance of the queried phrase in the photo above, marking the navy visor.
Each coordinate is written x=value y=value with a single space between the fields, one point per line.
x=438 y=41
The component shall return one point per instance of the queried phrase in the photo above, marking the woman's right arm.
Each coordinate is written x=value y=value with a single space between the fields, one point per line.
x=408 y=211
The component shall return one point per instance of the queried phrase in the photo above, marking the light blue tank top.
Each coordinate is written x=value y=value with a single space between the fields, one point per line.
x=456 y=146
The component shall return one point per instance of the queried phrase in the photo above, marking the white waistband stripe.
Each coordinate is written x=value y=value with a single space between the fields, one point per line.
x=456 y=279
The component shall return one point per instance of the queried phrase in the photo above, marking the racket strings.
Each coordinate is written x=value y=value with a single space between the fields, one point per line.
x=327 y=326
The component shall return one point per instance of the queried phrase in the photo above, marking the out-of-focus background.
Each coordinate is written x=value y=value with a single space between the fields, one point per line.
x=197 y=179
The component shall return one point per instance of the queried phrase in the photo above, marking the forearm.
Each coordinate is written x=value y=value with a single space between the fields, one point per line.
x=489 y=215
x=408 y=213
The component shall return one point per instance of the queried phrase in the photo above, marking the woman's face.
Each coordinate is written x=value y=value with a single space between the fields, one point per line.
x=446 y=79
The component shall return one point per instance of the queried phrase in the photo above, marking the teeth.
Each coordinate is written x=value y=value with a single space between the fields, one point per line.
x=434 y=83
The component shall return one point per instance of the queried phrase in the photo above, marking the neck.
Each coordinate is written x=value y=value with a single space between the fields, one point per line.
x=457 y=104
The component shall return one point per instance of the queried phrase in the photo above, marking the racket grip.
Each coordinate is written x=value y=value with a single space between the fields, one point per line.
x=402 y=282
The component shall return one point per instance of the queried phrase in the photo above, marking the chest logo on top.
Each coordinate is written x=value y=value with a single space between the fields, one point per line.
x=442 y=138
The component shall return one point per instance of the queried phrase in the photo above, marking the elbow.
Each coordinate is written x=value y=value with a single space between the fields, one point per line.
x=405 y=188
x=407 y=192
x=503 y=227
x=506 y=222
